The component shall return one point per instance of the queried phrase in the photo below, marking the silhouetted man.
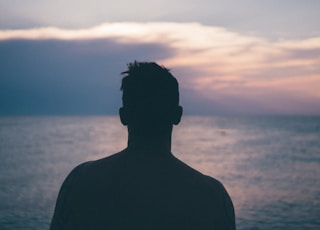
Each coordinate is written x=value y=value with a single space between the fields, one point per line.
x=144 y=186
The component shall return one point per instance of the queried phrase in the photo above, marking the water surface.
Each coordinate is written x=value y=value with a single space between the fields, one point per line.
x=269 y=165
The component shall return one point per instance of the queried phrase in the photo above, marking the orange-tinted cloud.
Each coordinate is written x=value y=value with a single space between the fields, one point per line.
x=244 y=73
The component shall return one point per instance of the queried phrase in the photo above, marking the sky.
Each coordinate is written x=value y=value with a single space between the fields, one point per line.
x=230 y=57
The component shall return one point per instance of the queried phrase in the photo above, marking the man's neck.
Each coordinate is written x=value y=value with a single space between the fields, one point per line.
x=150 y=143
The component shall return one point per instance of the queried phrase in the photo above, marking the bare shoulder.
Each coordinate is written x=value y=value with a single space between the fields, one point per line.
x=228 y=216
x=103 y=162
x=215 y=183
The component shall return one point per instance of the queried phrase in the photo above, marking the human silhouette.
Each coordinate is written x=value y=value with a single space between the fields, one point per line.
x=144 y=186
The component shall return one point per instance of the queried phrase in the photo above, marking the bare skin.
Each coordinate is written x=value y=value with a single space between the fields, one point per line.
x=142 y=187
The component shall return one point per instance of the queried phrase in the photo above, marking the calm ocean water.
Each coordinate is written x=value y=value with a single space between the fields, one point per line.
x=269 y=165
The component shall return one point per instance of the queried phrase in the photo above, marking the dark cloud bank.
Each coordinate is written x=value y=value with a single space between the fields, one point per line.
x=58 y=77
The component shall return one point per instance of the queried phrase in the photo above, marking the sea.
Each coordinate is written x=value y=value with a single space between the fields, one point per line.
x=270 y=165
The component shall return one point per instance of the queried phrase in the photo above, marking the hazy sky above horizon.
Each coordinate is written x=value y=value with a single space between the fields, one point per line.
x=247 y=57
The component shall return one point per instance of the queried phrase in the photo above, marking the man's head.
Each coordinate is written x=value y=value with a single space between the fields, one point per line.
x=150 y=98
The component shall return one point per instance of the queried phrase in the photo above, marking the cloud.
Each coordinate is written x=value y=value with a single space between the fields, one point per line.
x=228 y=70
x=66 y=77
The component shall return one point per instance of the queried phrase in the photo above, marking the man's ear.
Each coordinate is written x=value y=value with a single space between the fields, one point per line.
x=123 y=113
x=177 y=115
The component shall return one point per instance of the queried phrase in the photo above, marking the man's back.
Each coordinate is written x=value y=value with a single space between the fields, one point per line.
x=142 y=189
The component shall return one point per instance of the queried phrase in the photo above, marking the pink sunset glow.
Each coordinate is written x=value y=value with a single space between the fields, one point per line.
x=243 y=73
